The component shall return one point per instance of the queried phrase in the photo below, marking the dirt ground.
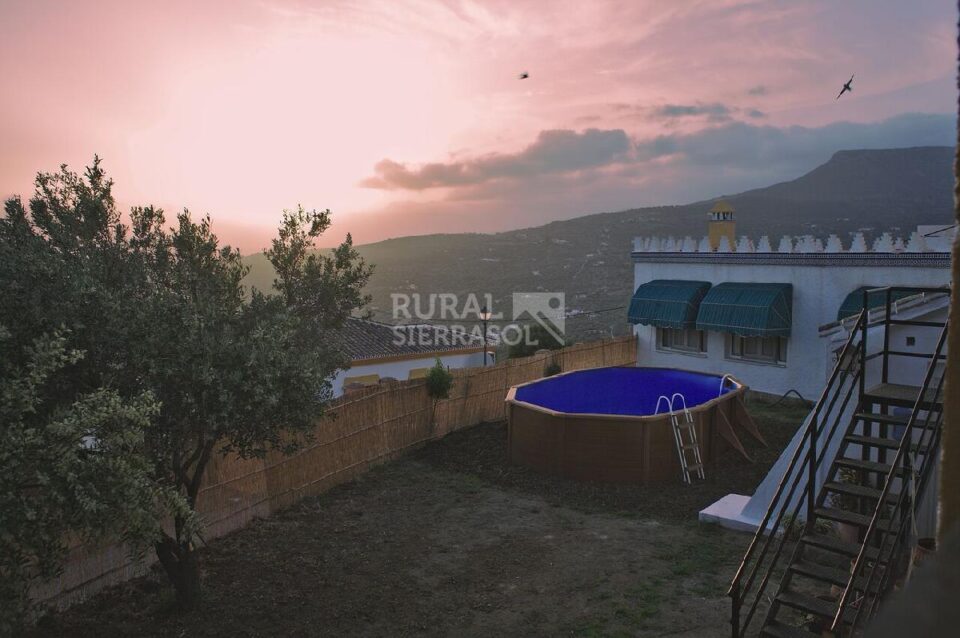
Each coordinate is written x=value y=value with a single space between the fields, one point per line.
x=452 y=540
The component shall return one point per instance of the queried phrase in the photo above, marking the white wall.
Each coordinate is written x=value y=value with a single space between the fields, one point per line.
x=818 y=290
x=401 y=369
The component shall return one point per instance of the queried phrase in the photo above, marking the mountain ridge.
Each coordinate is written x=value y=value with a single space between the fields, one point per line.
x=588 y=257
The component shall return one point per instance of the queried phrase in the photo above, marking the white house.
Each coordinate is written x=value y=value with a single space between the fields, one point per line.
x=380 y=351
x=754 y=309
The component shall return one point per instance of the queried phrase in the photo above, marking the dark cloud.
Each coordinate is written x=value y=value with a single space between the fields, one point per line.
x=757 y=90
x=556 y=151
x=745 y=146
x=715 y=111
x=712 y=112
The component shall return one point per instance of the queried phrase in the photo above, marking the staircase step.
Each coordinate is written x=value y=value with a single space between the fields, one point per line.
x=900 y=421
x=837 y=546
x=781 y=630
x=889 y=419
x=869 y=466
x=852 y=518
x=874 y=441
x=830 y=575
x=820 y=572
x=879 y=441
x=860 y=490
x=901 y=395
x=811 y=605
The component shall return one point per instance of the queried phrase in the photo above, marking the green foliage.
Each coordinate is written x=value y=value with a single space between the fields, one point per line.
x=162 y=310
x=551 y=369
x=540 y=339
x=72 y=468
x=439 y=381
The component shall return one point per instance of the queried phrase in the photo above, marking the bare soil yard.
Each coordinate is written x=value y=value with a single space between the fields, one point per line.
x=452 y=540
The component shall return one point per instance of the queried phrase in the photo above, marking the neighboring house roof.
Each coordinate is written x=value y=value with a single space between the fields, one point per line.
x=365 y=339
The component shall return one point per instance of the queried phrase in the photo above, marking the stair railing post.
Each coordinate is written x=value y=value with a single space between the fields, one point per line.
x=812 y=472
x=863 y=346
x=735 y=611
x=886 y=337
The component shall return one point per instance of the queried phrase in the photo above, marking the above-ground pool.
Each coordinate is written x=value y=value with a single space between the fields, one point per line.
x=603 y=423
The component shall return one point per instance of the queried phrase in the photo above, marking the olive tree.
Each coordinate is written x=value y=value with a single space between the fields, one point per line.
x=162 y=310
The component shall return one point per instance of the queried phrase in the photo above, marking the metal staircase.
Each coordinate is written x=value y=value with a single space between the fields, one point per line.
x=840 y=528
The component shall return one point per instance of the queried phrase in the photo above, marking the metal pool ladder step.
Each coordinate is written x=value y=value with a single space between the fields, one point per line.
x=684 y=444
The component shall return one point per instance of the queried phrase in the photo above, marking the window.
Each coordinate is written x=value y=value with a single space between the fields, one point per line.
x=760 y=349
x=678 y=340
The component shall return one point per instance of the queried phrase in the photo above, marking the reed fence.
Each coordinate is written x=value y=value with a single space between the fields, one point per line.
x=361 y=430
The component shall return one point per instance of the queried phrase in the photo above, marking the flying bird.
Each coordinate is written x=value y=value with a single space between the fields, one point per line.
x=523 y=76
x=846 y=87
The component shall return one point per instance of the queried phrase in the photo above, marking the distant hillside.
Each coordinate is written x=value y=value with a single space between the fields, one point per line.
x=588 y=257
x=919 y=174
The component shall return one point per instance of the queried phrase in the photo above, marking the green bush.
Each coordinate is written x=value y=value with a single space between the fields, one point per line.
x=439 y=381
x=552 y=368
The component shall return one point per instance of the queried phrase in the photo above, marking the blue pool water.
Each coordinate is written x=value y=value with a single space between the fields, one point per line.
x=623 y=391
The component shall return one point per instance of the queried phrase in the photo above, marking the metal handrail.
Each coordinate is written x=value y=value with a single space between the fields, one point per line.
x=686 y=411
x=924 y=475
x=917 y=496
x=723 y=381
x=662 y=398
x=738 y=590
x=905 y=444
x=807 y=499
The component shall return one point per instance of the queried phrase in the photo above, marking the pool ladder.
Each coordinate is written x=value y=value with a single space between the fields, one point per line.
x=684 y=445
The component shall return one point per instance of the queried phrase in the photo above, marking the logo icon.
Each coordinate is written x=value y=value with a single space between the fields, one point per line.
x=546 y=308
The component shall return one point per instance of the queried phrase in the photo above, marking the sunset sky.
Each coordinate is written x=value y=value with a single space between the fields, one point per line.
x=407 y=117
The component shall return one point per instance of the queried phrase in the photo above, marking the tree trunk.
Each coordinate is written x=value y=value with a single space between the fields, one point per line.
x=179 y=561
x=176 y=553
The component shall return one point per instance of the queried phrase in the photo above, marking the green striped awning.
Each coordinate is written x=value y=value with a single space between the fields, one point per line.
x=748 y=309
x=853 y=303
x=667 y=303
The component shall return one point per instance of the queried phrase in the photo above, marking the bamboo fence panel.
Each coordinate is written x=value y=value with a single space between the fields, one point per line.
x=360 y=430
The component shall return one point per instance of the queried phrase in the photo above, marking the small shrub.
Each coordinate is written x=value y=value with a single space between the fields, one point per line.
x=552 y=368
x=439 y=381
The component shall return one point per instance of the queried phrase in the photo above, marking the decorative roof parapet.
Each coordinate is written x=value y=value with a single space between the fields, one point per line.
x=800 y=244
x=916 y=243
